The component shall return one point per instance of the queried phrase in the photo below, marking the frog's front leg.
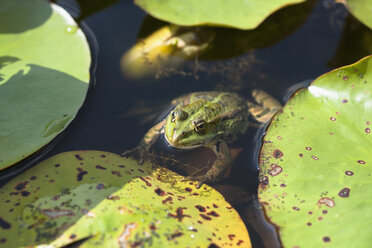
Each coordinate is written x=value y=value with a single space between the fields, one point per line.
x=220 y=165
x=142 y=150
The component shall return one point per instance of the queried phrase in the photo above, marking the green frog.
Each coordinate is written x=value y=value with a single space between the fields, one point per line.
x=210 y=119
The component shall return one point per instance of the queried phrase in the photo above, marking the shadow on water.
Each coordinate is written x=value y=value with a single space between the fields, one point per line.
x=23 y=19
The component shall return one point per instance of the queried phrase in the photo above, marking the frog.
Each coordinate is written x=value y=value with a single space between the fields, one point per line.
x=211 y=119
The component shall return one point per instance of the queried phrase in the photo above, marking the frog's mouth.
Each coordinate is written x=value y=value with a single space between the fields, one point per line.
x=174 y=142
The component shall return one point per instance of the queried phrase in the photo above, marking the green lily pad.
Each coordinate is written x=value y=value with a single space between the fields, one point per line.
x=112 y=201
x=44 y=75
x=315 y=179
x=240 y=14
x=361 y=9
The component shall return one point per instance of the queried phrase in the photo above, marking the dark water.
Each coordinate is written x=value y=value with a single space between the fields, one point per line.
x=307 y=50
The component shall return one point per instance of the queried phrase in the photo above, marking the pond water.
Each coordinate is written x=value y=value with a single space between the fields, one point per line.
x=300 y=53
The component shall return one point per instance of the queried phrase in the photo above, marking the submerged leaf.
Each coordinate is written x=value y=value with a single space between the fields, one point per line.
x=112 y=201
x=44 y=75
x=315 y=179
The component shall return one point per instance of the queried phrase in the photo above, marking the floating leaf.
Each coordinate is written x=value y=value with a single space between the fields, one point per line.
x=113 y=202
x=228 y=43
x=315 y=179
x=44 y=75
x=361 y=9
x=240 y=14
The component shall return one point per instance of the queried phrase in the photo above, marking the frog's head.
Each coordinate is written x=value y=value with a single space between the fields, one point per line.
x=187 y=127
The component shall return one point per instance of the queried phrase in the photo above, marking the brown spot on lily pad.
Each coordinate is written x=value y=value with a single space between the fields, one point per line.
x=169 y=199
x=275 y=170
x=344 y=193
x=326 y=239
x=296 y=208
x=367 y=130
x=344 y=101
x=100 y=186
x=277 y=153
x=25 y=193
x=361 y=162
x=147 y=182
x=159 y=192
x=200 y=208
x=308 y=148
x=314 y=157
x=179 y=214
x=349 y=173
x=78 y=157
x=231 y=236
x=4 y=224
x=265 y=180
x=100 y=167
x=213 y=213
x=326 y=201
x=21 y=186
x=205 y=217
x=345 y=78
x=81 y=174
x=332 y=118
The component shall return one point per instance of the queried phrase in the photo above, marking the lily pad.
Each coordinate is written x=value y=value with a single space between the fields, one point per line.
x=361 y=9
x=240 y=14
x=109 y=201
x=315 y=179
x=44 y=75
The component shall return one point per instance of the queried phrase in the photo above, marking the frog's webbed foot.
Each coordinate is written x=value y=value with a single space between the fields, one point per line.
x=139 y=153
x=265 y=108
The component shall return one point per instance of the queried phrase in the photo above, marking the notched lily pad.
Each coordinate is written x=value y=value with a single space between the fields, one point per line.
x=112 y=201
x=240 y=14
x=315 y=179
x=44 y=75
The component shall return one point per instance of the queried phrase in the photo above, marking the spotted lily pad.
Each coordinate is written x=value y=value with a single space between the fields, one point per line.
x=242 y=14
x=113 y=202
x=44 y=75
x=315 y=179
x=361 y=9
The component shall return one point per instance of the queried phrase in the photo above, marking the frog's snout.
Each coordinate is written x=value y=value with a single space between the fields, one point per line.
x=174 y=137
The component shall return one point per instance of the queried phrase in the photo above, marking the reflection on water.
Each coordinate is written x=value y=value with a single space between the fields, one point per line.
x=297 y=48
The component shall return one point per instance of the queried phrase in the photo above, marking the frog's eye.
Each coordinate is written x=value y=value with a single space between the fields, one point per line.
x=173 y=117
x=199 y=126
